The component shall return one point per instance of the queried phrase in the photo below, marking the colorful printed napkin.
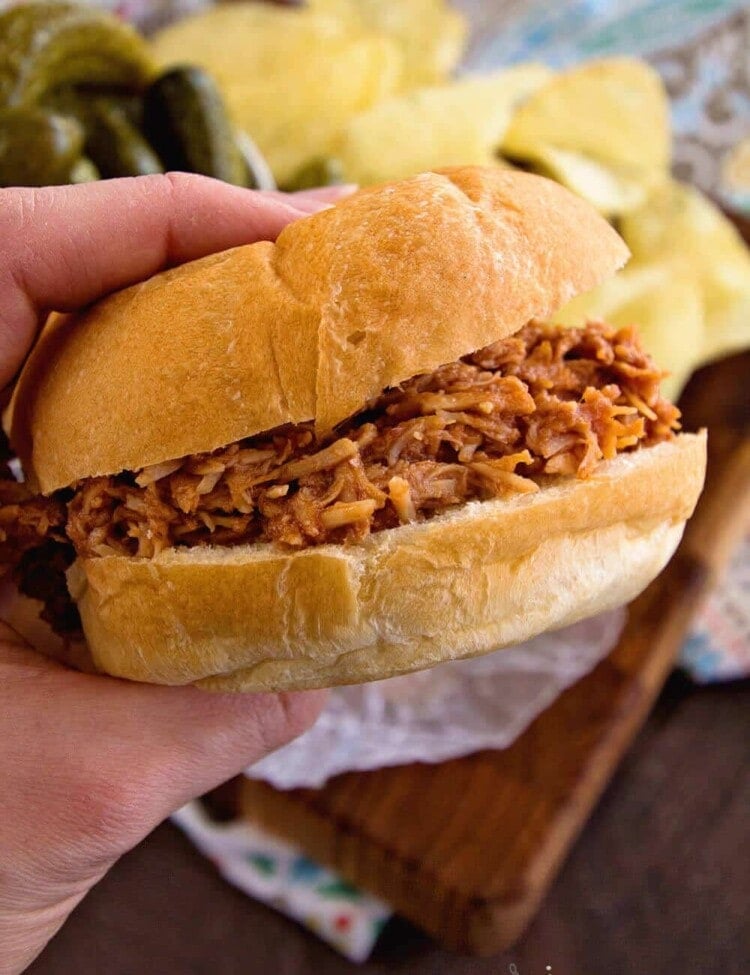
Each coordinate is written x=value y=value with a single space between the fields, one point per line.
x=283 y=877
x=719 y=646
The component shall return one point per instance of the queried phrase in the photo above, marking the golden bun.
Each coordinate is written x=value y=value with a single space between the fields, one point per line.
x=485 y=575
x=393 y=281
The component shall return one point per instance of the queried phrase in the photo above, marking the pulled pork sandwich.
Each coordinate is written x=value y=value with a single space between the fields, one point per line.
x=352 y=453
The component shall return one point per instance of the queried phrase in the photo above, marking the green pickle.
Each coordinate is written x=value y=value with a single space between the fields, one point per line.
x=185 y=119
x=37 y=147
x=46 y=45
x=80 y=100
x=115 y=145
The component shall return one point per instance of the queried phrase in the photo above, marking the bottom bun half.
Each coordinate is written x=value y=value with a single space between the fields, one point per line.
x=483 y=576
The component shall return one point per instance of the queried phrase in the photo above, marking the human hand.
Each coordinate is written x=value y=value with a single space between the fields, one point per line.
x=89 y=765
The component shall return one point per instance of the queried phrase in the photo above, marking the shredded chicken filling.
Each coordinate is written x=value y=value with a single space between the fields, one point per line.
x=548 y=401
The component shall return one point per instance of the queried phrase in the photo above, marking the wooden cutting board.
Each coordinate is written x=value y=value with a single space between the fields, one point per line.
x=466 y=849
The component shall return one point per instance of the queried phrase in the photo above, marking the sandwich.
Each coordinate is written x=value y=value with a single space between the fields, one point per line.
x=349 y=454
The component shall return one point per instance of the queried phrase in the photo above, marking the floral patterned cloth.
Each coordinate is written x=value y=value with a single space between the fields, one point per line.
x=283 y=877
x=719 y=646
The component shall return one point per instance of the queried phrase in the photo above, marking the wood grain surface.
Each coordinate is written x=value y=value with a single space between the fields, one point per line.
x=466 y=849
x=657 y=885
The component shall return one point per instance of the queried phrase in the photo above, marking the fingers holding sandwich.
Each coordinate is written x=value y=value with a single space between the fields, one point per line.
x=161 y=745
x=101 y=762
x=62 y=247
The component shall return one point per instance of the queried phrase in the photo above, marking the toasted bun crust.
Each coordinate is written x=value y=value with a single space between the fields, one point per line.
x=392 y=282
x=485 y=575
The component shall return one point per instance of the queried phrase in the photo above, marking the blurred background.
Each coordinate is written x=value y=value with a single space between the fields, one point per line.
x=481 y=818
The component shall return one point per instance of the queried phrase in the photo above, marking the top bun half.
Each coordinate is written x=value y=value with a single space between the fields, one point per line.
x=393 y=281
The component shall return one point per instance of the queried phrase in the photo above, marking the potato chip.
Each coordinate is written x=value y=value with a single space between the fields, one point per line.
x=687 y=287
x=611 y=192
x=665 y=304
x=430 y=35
x=679 y=224
x=292 y=78
x=242 y=41
x=454 y=124
x=613 y=111
x=291 y=131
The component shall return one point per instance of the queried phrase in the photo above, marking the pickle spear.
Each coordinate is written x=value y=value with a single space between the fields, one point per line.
x=185 y=120
x=46 y=45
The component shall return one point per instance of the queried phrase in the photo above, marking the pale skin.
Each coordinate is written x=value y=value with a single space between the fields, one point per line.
x=89 y=765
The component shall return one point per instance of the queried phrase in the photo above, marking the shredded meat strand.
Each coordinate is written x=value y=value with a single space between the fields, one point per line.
x=548 y=401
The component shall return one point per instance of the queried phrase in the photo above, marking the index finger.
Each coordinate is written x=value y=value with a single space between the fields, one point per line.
x=63 y=247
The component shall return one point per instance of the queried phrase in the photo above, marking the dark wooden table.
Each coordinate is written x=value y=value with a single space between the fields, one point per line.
x=659 y=884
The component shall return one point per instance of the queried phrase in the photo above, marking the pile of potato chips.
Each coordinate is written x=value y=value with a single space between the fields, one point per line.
x=369 y=83
x=295 y=77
